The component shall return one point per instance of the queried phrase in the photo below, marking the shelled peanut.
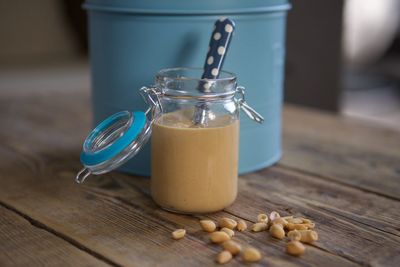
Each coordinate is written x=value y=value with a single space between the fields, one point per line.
x=295 y=248
x=294 y=235
x=305 y=236
x=228 y=223
x=233 y=247
x=280 y=221
x=276 y=230
x=219 y=237
x=262 y=218
x=208 y=225
x=223 y=257
x=241 y=226
x=274 y=215
x=298 y=230
x=251 y=255
x=178 y=234
x=299 y=224
x=258 y=227
x=230 y=232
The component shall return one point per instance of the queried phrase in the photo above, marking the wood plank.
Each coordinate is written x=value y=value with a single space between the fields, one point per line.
x=365 y=208
x=123 y=233
x=344 y=150
x=119 y=221
x=23 y=244
x=346 y=228
x=362 y=227
x=113 y=216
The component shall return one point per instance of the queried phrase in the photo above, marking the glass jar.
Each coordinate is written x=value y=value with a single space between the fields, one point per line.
x=194 y=127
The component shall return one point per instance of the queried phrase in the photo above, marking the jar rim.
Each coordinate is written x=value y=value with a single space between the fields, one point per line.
x=224 y=87
x=162 y=74
x=169 y=93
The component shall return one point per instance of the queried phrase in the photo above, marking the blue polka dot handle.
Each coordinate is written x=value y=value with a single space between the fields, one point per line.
x=218 y=47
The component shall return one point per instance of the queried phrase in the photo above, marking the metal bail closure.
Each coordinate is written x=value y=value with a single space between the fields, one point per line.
x=117 y=139
x=250 y=112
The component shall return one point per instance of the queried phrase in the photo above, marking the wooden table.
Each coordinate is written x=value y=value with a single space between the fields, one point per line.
x=341 y=173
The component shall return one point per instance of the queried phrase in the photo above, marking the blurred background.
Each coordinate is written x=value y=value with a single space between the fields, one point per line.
x=342 y=56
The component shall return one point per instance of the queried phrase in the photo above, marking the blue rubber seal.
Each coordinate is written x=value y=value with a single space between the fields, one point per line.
x=91 y=158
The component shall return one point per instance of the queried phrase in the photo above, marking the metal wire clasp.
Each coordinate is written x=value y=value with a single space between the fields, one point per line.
x=151 y=95
x=250 y=112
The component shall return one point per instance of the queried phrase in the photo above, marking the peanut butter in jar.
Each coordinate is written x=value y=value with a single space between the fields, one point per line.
x=194 y=168
x=195 y=140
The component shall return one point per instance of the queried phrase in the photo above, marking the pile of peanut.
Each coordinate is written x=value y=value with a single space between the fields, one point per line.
x=298 y=230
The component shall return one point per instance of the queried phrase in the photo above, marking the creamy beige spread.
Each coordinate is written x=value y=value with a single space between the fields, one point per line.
x=194 y=168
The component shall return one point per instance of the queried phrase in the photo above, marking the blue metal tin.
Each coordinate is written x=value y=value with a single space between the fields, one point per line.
x=130 y=40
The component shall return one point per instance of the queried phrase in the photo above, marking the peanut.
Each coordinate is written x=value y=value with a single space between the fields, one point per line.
x=295 y=248
x=307 y=221
x=178 y=234
x=241 y=225
x=274 y=215
x=292 y=226
x=231 y=246
x=228 y=231
x=224 y=257
x=310 y=225
x=258 y=227
x=277 y=231
x=294 y=235
x=295 y=220
x=307 y=236
x=227 y=222
x=251 y=255
x=262 y=218
x=280 y=221
x=208 y=225
x=219 y=237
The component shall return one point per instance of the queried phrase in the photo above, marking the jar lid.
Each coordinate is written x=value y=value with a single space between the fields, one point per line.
x=113 y=142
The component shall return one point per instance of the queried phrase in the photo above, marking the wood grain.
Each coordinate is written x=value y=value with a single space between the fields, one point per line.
x=124 y=234
x=23 y=244
x=345 y=150
x=116 y=218
x=338 y=211
x=357 y=205
x=366 y=237
x=326 y=174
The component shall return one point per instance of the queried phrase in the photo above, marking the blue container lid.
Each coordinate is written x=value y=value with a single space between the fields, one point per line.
x=187 y=7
